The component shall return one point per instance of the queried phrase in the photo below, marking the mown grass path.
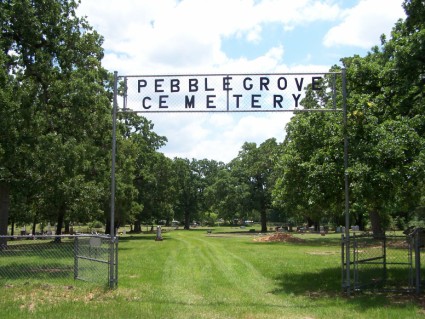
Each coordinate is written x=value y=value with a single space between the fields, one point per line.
x=211 y=275
x=193 y=275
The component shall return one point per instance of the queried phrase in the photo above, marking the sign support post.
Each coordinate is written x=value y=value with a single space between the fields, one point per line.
x=346 y=183
x=112 y=256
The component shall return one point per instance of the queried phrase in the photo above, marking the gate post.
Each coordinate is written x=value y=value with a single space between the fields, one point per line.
x=418 y=238
x=346 y=185
x=76 y=250
x=113 y=256
x=114 y=146
x=113 y=262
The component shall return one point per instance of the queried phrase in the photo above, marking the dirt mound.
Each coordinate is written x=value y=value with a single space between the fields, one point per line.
x=279 y=237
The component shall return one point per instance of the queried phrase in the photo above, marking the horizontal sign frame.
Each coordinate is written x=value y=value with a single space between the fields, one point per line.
x=224 y=92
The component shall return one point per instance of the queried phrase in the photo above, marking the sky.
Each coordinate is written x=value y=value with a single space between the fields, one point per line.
x=181 y=37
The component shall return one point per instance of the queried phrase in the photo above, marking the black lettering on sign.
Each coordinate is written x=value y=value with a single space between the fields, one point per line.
x=245 y=86
x=296 y=98
x=236 y=91
x=264 y=83
x=162 y=101
x=146 y=107
x=189 y=103
x=282 y=83
x=315 y=82
x=141 y=84
x=175 y=85
x=254 y=101
x=226 y=83
x=237 y=96
x=299 y=84
x=158 y=85
x=206 y=85
x=193 y=85
x=277 y=100
x=210 y=101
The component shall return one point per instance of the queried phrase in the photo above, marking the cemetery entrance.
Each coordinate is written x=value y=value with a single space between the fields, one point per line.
x=236 y=93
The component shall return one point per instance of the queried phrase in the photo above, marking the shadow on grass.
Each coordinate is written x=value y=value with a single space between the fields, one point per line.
x=312 y=241
x=327 y=284
x=36 y=271
x=143 y=237
x=327 y=281
x=46 y=250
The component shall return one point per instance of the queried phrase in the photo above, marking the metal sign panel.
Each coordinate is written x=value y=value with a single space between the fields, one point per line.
x=222 y=92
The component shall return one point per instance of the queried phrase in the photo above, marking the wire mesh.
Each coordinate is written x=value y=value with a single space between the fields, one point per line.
x=383 y=263
x=58 y=258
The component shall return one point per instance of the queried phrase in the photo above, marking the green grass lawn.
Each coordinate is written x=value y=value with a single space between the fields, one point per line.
x=191 y=274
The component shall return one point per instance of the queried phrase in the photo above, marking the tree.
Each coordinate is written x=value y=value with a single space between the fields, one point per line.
x=56 y=130
x=388 y=101
x=145 y=175
x=309 y=183
x=226 y=196
x=254 y=168
x=386 y=135
x=205 y=172
x=186 y=206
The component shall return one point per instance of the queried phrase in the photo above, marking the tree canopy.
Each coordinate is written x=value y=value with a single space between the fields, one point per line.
x=55 y=139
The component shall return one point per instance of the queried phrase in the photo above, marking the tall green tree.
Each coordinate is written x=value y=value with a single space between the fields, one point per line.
x=388 y=109
x=309 y=185
x=386 y=135
x=186 y=186
x=153 y=178
x=226 y=196
x=253 y=167
x=55 y=136
x=205 y=172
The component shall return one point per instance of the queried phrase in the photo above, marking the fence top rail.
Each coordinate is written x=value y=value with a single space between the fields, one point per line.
x=225 y=74
x=54 y=236
x=380 y=237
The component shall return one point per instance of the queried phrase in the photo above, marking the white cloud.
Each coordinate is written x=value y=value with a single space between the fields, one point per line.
x=185 y=37
x=216 y=136
x=363 y=24
x=163 y=36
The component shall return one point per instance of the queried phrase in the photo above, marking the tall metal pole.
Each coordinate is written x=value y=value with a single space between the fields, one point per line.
x=347 y=198
x=112 y=246
x=114 y=145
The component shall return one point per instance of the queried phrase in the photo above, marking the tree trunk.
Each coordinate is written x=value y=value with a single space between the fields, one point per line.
x=108 y=227
x=137 y=226
x=186 y=220
x=66 y=231
x=59 y=225
x=4 y=212
x=263 y=221
x=375 y=220
x=34 y=225
x=310 y=222
x=360 y=221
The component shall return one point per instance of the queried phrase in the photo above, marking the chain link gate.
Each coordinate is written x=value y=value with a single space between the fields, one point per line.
x=383 y=263
x=92 y=258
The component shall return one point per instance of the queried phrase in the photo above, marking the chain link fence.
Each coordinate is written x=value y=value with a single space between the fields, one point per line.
x=64 y=258
x=383 y=263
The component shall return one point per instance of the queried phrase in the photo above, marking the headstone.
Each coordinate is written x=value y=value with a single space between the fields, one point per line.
x=158 y=233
